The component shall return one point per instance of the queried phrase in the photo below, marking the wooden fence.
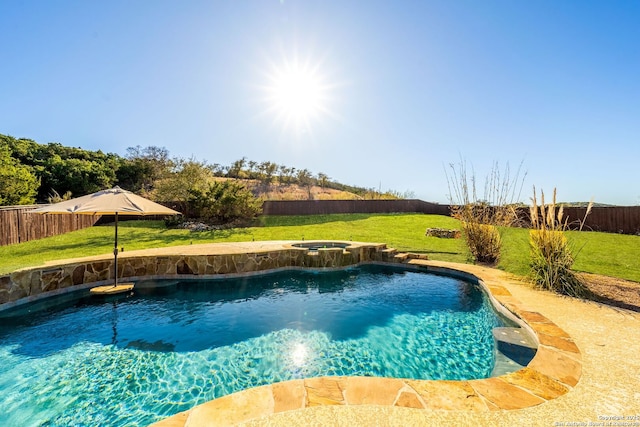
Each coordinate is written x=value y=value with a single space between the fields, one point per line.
x=18 y=225
x=608 y=219
x=322 y=207
x=612 y=219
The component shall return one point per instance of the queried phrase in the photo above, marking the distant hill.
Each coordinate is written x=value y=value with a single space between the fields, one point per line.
x=277 y=191
x=34 y=172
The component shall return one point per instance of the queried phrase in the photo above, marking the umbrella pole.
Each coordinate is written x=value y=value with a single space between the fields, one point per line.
x=115 y=256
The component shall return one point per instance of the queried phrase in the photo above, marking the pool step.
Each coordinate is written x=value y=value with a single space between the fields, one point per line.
x=514 y=336
x=401 y=257
x=516 y=347
x=504 y=365
x=408 y=256
x=389 y=254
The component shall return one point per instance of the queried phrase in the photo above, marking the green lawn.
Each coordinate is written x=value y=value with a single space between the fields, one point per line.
x=601 y=253
x=609 y=254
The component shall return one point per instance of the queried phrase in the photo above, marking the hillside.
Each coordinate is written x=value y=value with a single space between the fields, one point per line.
x=36 y=173
x=278 y=191
x=297 y=192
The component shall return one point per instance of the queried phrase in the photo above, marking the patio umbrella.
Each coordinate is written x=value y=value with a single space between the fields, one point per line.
x=114 y=201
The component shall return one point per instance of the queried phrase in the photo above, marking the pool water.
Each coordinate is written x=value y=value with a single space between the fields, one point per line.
x=134 y=360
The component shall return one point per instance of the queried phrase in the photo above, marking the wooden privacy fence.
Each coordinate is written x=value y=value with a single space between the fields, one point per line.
x=612 y=219
x=608 y=219
x=18 y=225
x=323 y=207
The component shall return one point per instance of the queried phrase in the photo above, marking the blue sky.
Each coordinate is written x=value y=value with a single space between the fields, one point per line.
x=406 y=87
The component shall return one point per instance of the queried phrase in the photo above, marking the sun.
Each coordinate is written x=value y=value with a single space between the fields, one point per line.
x=297 y=95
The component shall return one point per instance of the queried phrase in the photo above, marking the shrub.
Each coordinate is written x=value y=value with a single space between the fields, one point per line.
x=481 y=216
x=551 y=252
x=174 y=221
x=483 y=241
x=188 y=180
x=225 y=202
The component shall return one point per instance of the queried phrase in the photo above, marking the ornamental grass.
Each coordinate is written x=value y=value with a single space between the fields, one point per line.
x=552 y=254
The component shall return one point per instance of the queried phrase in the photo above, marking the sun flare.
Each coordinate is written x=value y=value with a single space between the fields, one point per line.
x=297 y=95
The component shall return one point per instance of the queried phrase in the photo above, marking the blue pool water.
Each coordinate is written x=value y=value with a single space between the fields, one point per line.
x=133 y=360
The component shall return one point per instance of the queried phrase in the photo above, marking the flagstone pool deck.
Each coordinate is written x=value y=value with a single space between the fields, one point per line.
x=586 y=371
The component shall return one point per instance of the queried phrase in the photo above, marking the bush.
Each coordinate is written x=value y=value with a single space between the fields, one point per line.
x=551 y=253
x=186 y=183
x=483 y=241
x=224 y=202
x=174 y=221
x=481 y=216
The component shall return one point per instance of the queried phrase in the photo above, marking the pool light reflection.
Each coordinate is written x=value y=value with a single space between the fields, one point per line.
x=299 y=354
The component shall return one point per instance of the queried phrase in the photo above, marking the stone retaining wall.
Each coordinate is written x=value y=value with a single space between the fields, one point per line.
x=31 y=284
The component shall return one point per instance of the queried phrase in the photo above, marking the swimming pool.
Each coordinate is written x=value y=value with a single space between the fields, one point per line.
x=135 y=360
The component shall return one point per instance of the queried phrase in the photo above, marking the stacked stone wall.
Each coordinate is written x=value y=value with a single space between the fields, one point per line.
x=30 y=284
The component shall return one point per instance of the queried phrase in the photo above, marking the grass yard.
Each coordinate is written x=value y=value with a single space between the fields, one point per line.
x=403 y=232
x=600 y=253
x=608 y=254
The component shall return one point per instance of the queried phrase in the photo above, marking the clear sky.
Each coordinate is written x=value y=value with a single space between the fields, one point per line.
x=379 y=94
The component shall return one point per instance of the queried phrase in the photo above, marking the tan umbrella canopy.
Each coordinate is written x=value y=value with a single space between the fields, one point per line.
x=114 y=201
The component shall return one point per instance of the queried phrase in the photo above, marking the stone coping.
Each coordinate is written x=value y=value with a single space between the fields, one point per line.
x=28 y=285
x=554 y=371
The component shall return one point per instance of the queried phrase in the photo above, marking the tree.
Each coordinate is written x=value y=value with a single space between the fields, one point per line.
x=218 y=169
x=23 y=150
x=267 y=169
x=71 y=169
x=193 y=187
x=282 y=173
x=305 y=179
x=77 y=175
x=228 y=201
x=18 y=185
x=323 y=179
x=143 y=167
x=63 y=169
x=236 y=170
x=253 y=171
x=189 y=178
